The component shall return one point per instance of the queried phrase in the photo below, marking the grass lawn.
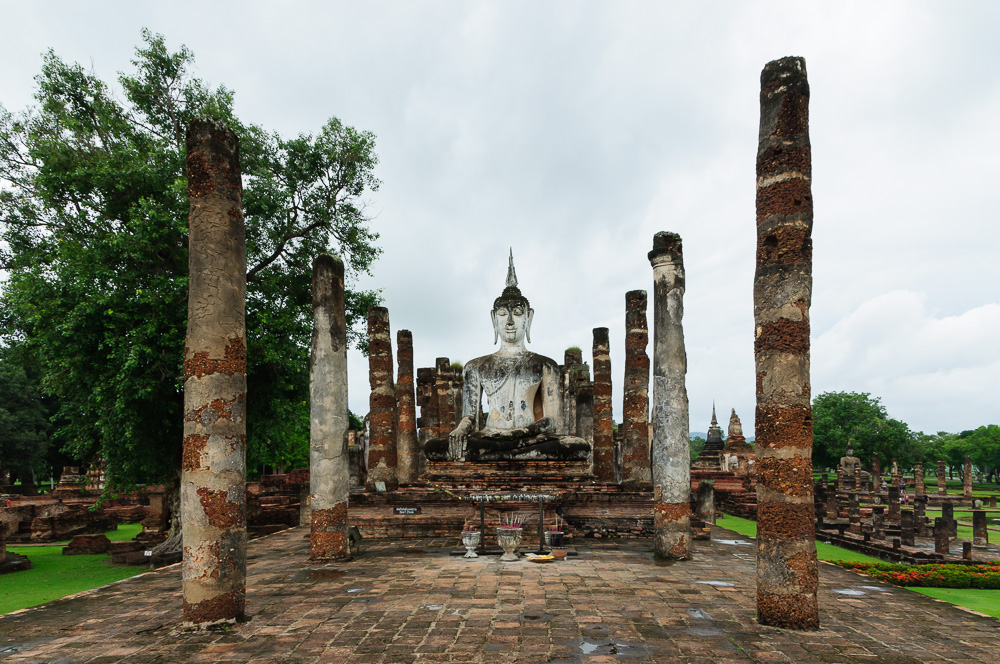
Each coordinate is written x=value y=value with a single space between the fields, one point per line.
x=824 y=551
x=53 y=575
x=984 y=601
x=126 y=531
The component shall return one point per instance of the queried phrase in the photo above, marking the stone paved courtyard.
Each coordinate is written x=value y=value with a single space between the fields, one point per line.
x=410 y=601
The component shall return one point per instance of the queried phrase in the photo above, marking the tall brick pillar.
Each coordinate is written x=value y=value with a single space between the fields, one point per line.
x=447 y=416
x=427 y=400
x=585 y=412
x=408 y=450
x=329 y=461
x=572 y=362
x=635 y=411
x=918 y=479
x=967 y=477
x=604 y=444
x=787 y=574
x=942 y=485
x=382 y=417
x=213 y=496
x=671 y=465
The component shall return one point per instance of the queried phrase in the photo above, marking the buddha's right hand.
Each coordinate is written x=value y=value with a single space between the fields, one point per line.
x=458 y=438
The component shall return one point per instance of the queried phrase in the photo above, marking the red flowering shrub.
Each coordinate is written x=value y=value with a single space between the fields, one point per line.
x=936 y=575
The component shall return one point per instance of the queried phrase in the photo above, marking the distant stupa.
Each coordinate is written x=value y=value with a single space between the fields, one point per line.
x=711 y=454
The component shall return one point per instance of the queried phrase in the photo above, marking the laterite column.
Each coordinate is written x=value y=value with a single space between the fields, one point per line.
x=213 y=462
x=447 y=419
x=329 y=467
x=671 y=467
x=942 y=483
x=787 y=574
x=967 y=477
x=382 y=403
x=604 y=444
x=635 y=410
x=408 y=451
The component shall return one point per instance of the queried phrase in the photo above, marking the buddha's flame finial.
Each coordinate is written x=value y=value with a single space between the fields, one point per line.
x=715 y=422
x=511 y=275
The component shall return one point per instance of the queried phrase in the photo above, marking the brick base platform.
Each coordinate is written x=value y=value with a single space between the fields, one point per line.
x=588 y=508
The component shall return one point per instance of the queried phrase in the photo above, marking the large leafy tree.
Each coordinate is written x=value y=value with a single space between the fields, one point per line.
x=93 y=233
x=25 y=441
x=984 y=448
x=839 y=417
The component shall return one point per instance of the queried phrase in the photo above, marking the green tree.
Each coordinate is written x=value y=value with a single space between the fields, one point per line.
x=697 y=445
x=24 y=417
x=984 y=448
x=93 y=211
x=861 y=418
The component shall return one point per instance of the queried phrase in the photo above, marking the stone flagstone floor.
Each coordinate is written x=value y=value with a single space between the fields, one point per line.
x=411 y=601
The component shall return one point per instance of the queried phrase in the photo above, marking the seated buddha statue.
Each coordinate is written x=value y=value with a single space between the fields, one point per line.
x=522 y=417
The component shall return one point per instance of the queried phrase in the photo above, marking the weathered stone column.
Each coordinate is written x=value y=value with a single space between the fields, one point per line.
x=213 y=479
x=918 y=479
x=408 y=450
x=427 y=400
x=920 y=514
x=447 y=414
x=948 y=514
x=329 y=461
x=832 y=506
x=382 y=404
x=787 y=574
x=585 y=412
x=878 y=522
x=893 y=501
x=671 y=467
x=980 y=533
x=876 y=473
x=906 y=527
x=604 y=444
x=967 y=477
x=942 y=486
x=706 y=501
x=572 y=361
x=941 y=539
x=635 y=410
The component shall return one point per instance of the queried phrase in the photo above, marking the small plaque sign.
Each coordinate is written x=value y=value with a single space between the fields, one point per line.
x=147 y=553
x=406 y=511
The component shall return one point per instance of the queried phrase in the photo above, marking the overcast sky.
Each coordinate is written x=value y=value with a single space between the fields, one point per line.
x=573 y=131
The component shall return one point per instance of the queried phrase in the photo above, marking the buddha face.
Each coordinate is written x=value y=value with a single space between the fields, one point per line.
x=512 y=322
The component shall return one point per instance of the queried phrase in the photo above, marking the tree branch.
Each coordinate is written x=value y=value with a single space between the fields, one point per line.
x=289 y=236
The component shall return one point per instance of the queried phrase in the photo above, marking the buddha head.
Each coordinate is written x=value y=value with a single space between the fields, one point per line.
x=511 y=314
